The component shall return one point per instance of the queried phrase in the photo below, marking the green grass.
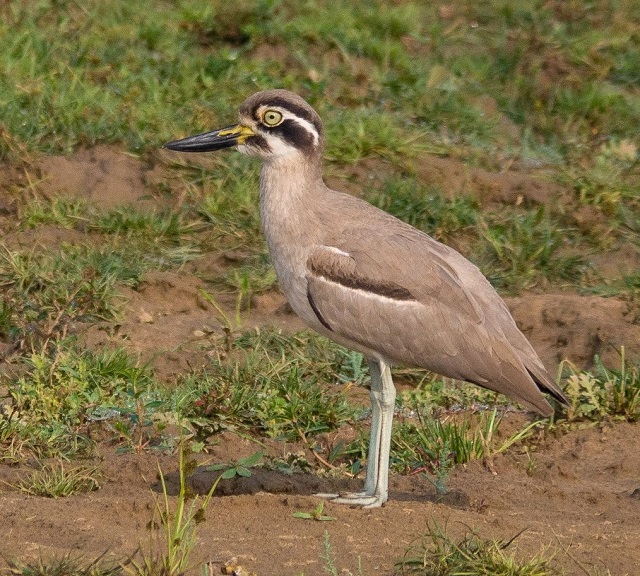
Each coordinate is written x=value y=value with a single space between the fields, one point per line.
x=520 y=251
x=67 y=213
x=269 y=385
x=56 y=481
x=364 y=133
x=68 y=565
x=627 y=286
x=603 y=183
x=157 y=227
x=426 y=208
x=58 y=395
x=46 y=290
x=96 y=74
x=439 y=554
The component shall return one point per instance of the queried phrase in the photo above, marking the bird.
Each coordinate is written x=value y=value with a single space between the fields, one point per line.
x=370 y=281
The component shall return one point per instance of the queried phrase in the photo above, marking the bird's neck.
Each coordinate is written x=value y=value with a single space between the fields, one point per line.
x=290 y=189
x=287 y=181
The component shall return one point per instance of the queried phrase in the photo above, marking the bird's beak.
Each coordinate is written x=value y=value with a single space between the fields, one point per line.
x=216 y=140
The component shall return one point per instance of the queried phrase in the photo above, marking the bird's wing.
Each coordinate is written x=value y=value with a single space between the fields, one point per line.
x=406 y=265
x=416 y=301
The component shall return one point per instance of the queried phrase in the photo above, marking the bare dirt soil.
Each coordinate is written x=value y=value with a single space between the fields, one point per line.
x=581 y=495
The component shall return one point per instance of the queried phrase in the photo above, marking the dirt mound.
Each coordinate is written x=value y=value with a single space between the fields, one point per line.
x=104 y=175
x=455 y=178
x=166 y=321
x=573 y=327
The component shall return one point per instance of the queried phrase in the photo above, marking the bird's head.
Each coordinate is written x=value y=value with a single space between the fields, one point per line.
x=272 y=124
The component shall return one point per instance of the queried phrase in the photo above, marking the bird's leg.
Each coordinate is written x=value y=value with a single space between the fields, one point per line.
x=383 y=397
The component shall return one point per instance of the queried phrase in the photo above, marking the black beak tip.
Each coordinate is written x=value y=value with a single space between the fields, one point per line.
x=207 y=142
x=171 y=145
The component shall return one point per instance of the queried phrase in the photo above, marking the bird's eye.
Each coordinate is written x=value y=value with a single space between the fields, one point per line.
x=272 y=117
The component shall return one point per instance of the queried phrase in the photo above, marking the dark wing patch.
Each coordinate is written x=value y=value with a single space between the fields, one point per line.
x=317 y=311
x=341 y=268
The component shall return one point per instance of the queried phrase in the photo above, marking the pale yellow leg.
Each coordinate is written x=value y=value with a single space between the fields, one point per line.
x=376 y=484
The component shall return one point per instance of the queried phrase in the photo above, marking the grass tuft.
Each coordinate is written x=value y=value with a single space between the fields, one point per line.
x=56 y=481
x=53 y=402
x=174 y=526
x=66 y=566
x=522 y=250
x=438 y=554
x=426 y=208
x=64 y=212
x=275 y=384
x=45 y=291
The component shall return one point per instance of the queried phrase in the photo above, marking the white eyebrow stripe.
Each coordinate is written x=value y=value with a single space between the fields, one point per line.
x=304 y=123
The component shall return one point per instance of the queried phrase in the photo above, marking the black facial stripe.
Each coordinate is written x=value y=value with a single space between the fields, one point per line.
x=295 y=134
x=258 y=141
x=299 y=111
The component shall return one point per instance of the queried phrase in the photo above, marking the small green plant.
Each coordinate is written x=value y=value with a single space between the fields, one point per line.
x=241 y=467
x=290 y=463
x=487 y=432
x=136 y=410
x=330 y=561
x=56 y=481
x=316 y=514
x=354 y=370
x=168 y=554
x=531 y=464
x=434 y=447
x=438 y=554
x=254 y=275
x=607 y=394
x=229 y=327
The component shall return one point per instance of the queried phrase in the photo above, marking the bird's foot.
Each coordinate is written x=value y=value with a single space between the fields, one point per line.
x=363 y=499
